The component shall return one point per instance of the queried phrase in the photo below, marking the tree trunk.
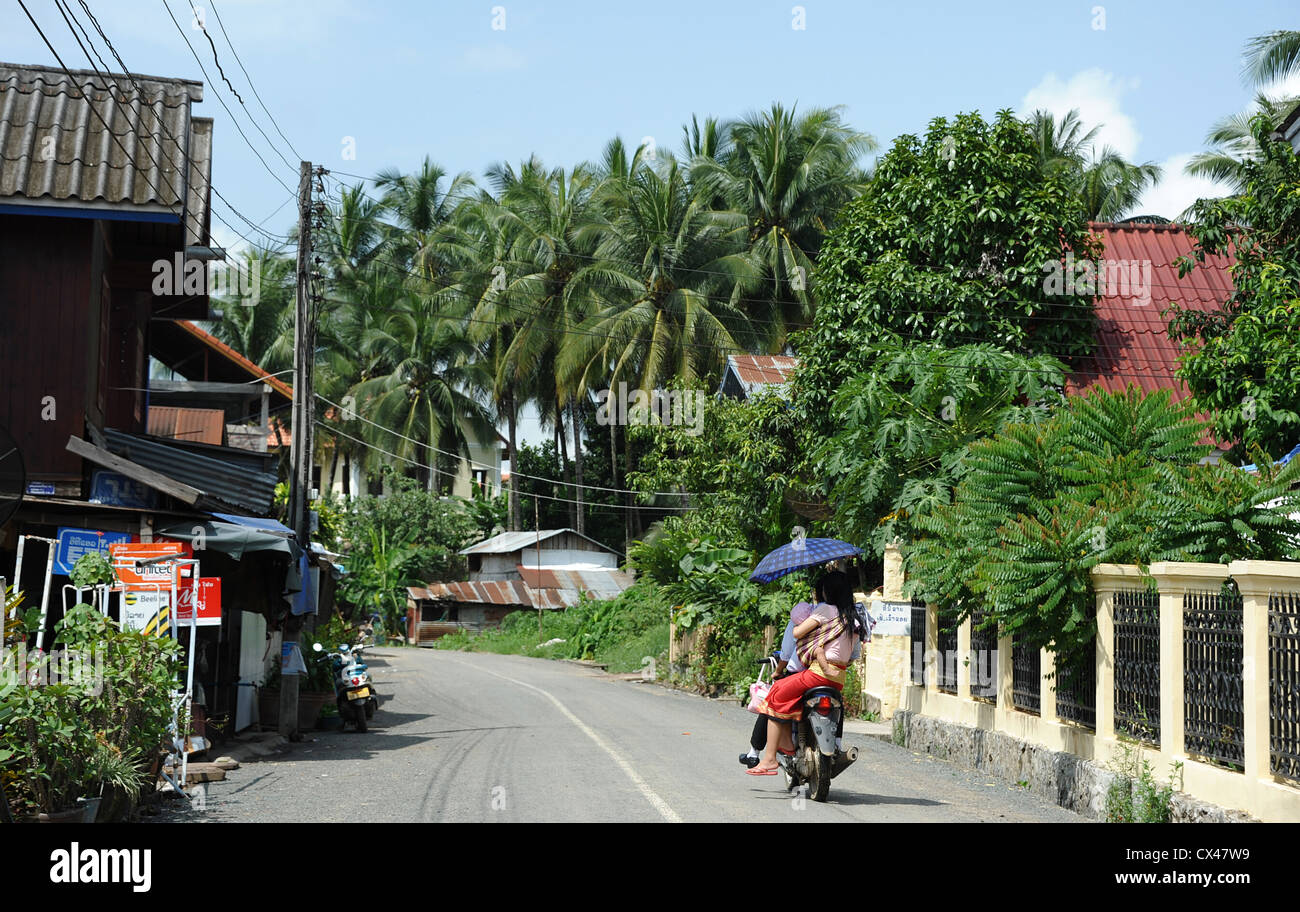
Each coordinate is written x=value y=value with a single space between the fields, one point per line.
x=328 y=481
x=513 y=499
x=633 y=511
x=347 y=473
x=576 y=416
x=567 y=470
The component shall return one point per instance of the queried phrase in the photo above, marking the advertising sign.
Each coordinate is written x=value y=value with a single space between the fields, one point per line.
x=126 y=558
x=118 y=490
x=209 y=603
x=73 y=543
x=147 y=610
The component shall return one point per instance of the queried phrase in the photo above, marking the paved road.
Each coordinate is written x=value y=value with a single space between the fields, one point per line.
x=472 y=737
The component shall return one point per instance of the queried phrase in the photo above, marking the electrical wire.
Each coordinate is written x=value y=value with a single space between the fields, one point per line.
x=585 y=503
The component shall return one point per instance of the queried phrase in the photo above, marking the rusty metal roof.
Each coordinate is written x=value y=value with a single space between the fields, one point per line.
x=747 y=374
x=196 y=425
x=1133 y=343
x=55 y=151
x=597 y=583
x=558 y=589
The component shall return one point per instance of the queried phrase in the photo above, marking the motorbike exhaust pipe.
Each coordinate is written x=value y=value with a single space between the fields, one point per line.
x=843 y=760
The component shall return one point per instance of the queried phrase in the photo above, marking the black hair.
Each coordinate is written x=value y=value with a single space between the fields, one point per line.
x=836 y=589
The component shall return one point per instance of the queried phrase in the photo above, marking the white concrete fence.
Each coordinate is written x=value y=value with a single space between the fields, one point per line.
x=1217 y=678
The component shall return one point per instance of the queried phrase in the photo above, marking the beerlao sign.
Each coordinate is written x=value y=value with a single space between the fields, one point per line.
x=208 y=590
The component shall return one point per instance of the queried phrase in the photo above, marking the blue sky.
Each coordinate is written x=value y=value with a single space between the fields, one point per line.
x=404 y=80
x=471 y=83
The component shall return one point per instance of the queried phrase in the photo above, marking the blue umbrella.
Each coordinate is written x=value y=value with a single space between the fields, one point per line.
x=799 y=554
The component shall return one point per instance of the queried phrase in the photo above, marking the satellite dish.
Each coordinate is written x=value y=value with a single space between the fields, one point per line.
x=13 y=477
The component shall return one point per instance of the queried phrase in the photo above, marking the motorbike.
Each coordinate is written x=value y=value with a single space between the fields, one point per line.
x=816 y=759
x=353 y=689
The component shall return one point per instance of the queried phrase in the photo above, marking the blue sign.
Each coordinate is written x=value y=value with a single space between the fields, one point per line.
x=120 y=491
x=40 y=488
x=75 y=542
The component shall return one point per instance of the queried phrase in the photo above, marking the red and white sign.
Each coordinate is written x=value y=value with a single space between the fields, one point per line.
x=209 y=599
x=126 y=559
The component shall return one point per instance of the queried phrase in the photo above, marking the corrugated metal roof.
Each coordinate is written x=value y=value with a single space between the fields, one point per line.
x=598 y=583
x=762 y=370
x=1133 y=343
x=508 y=542
x=193 y=424
x=223 y=483
x=54 y=150
x=557 y=589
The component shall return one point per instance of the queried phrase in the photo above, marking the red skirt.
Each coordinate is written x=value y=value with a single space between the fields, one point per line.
x=783 y=699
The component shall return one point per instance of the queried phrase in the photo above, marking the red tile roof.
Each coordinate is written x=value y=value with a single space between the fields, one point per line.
x=1133 y=344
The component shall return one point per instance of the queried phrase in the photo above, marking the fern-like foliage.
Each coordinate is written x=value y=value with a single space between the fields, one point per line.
x=1109 y=478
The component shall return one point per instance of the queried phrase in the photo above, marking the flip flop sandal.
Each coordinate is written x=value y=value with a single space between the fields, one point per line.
x=758 y=772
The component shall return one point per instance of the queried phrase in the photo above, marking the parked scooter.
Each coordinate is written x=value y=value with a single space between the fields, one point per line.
x=816 y=759
x=353 y=689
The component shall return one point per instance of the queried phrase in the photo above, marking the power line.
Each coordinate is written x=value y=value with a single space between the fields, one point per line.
x=233 y=119
x=251 y=84
x=482 y=465
x=585 y=503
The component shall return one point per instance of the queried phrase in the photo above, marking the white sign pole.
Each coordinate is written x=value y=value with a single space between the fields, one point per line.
x=189 y=675
x=45 y=596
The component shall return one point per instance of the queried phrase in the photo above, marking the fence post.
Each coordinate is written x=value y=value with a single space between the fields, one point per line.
x=963 y=659
x=931 y=672
x=1106 y=580
x=1175 y=580
x=1256 y=580
x=1006 y=675
x=1047 y=686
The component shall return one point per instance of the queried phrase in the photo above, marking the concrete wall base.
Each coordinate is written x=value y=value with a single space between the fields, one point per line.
x=1072 y=782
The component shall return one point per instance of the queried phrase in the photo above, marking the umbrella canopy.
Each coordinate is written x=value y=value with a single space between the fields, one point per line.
x=800 y=554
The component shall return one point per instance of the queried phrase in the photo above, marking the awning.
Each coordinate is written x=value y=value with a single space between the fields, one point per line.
x=236 y=536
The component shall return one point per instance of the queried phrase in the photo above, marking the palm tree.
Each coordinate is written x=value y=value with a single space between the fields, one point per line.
x=423 y=210
x=1268 y=59
x=787 y=174
x=542 y=212
x=263 y=333
x=1232 y=142
x=1107 y=184
x=1272 y=57
x=428 y=381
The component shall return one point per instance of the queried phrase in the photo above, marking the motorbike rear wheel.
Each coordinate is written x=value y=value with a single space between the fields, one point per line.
x=359 y=714
x=819 y=774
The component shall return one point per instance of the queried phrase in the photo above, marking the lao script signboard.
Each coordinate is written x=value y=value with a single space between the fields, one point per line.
x=892 y=619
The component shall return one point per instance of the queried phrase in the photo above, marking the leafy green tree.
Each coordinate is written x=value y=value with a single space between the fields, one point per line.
x=905 y=429
x=1243 y=362
x=952 y=243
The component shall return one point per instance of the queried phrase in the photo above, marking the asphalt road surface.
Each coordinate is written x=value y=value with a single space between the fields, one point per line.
x=475 y=737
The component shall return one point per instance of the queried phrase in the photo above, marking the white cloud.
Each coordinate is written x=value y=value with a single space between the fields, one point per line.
x=495 y=58
x=1176 y=190
x=1097 y=96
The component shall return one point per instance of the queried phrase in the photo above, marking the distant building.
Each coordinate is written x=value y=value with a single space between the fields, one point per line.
x=514 y=571
x=748 y=374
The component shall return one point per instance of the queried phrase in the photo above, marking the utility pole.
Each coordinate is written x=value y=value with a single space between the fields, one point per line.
x=304 y=352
